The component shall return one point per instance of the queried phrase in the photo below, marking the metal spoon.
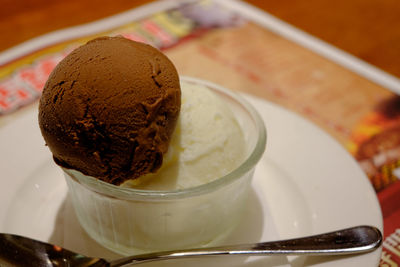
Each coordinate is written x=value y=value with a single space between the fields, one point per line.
x=22 y=251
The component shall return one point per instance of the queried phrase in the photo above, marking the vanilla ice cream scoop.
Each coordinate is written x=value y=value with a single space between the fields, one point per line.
x=207 y=144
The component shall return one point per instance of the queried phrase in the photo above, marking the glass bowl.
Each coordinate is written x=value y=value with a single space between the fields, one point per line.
x=130 y=221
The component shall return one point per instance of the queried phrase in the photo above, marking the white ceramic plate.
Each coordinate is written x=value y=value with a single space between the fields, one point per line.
x=306 y=183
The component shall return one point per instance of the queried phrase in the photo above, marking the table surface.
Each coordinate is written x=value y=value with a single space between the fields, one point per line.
x=368 y=29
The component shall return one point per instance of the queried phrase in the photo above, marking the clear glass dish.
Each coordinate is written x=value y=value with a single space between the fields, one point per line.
x=130 y=221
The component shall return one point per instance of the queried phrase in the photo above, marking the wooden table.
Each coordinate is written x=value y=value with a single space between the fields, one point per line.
x=368 y=29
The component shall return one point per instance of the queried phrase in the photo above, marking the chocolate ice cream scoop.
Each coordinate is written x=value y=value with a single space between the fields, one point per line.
x=109 y=109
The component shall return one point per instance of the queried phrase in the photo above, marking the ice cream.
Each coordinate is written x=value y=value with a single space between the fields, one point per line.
x=109 y=109
x=198 y=195
x=148 y=157
x=208 y=143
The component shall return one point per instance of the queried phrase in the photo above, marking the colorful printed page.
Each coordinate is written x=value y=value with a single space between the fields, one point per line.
x=249 y=52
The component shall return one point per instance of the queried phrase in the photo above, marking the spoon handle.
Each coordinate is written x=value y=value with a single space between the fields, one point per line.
x=353 y=240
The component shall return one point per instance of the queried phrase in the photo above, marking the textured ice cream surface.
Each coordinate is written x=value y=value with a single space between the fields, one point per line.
x=208 y=143
x=109 y=109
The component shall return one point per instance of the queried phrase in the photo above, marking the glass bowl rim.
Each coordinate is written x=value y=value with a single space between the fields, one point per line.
x=118 y=192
